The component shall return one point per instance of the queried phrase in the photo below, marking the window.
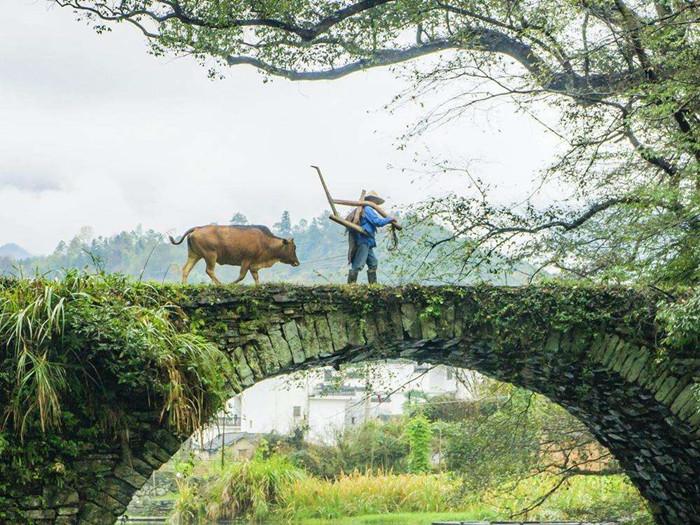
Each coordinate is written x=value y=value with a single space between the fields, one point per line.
x=327 y=375
x=296 y=411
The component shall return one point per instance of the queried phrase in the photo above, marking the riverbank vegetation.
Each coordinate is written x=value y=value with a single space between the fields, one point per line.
x=514 y=454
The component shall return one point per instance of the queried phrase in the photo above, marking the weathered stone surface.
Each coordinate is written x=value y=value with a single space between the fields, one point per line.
x=156 y=451
x=410 y=320
x=323 y=332
x=268 y=357
x=641 y=407
x=291 y=335
x=40 y=514
x=129 y=475
x=244 y=371
x=58 y=497
x=339 y=333
x=279 y=343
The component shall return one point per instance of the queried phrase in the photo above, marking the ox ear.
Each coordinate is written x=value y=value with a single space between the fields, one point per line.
x=285 y=241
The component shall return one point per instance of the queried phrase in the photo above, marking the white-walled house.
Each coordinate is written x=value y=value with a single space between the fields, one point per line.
x=325 y=402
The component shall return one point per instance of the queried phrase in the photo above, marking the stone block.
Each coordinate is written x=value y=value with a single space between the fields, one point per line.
x=666 y=387
x=268 y=358
x=156 y=451
x=356 y=331
x=395 y=323
x=280 y=347
x=241 y=365
x=56 y=497
x=91 y=514
x=309 y=339
x=597 y=347
x=638 y=365
x=371 y=331
x=611 y=344
x=254 y=360
x=686 y=396
x=167 y=441
x=129 y=475
x=108 y=503
x=118 y=489
x=40 y=514
x=293 y=338
x=323 y=332
x=633 y=355
x=338 y=330
x=428 y=327
x=410 y=321
x=623 y=353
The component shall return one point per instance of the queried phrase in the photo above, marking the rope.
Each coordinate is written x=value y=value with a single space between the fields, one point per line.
x=394 y=242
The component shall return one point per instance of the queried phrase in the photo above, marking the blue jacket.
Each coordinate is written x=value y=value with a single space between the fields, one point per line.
x=371 y=220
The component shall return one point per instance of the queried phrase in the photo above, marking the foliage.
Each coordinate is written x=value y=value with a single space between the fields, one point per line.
x=419 y=433
x=355 y=494
x=102 y=338
x=250 y=489
x=370 y=447
x=448 y=408
x=189 y=508
x=494 y=447
x=681 y=322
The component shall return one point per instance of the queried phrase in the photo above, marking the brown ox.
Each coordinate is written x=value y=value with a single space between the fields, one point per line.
x=250 y=247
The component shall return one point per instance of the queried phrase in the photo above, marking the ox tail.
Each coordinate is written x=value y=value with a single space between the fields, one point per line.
x=184 y=236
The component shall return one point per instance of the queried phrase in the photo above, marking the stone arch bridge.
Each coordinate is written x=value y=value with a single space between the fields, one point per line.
x=593 y=351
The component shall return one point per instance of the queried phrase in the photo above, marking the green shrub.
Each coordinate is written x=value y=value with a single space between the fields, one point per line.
x=189 y=507
x=250 y=489
x=419 y=435
x=371 y=447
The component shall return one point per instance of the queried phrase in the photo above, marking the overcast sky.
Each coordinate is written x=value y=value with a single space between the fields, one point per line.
x=95 y=131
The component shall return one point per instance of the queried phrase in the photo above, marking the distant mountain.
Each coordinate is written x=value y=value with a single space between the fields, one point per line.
x=14 y=252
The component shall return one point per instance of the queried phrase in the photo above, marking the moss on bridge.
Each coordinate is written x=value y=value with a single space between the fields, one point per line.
x=103 y=377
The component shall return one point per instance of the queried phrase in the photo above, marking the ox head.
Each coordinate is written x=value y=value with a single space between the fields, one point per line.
x=289 y=252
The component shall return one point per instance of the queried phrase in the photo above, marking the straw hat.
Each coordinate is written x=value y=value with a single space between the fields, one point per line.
x=374 y=197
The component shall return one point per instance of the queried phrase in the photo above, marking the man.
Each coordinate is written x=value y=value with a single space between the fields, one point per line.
x=363 y=252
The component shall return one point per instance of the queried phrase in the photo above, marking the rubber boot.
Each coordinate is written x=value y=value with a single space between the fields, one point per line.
x=352 y=276
x=372 y=276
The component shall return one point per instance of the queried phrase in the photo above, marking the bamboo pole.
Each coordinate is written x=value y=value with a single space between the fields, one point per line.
x=358 y=211
x=325 y=188
x=378 y=208
x=347 y=224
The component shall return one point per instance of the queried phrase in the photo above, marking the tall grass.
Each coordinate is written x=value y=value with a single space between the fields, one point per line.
x=77 y=334
x=251 y=489
x=189 y=508
x=356 y=494
x=31 y=321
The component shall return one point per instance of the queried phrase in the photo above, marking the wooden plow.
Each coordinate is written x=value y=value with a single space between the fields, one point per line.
x=358 y=204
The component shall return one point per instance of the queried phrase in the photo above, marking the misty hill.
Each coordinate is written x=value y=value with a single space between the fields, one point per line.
x=14 y=252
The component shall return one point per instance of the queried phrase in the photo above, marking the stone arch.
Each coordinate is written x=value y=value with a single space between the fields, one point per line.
x=600 y=365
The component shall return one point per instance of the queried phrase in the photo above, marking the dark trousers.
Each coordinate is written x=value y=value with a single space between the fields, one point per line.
x=364 y=255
